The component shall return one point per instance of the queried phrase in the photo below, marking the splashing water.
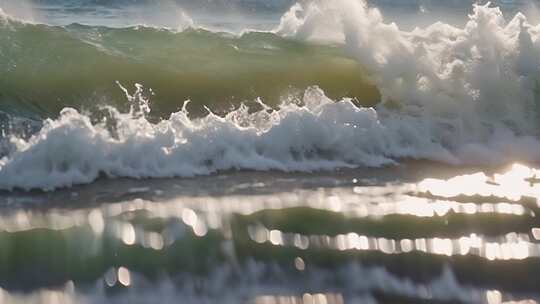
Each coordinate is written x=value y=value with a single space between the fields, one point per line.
x=456 y=95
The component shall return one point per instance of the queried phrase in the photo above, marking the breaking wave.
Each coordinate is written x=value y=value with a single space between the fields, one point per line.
x=456 y=95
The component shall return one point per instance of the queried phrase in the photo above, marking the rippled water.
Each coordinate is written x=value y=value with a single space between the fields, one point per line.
x=418 y=232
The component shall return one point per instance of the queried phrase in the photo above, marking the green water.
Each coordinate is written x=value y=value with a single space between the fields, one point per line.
x=47 y=68
x=249 y=233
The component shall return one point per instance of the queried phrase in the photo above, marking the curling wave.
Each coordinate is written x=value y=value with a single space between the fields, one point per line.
x=46 y=68
x=457 y=95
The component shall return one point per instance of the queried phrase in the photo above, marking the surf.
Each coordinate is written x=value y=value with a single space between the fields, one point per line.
x=456 y=95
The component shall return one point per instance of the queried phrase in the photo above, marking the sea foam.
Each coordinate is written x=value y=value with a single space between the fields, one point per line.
x=456 y=95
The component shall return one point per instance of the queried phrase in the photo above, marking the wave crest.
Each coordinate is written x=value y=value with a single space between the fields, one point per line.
x=457 y=95
x=316 y=134
x=482 y=74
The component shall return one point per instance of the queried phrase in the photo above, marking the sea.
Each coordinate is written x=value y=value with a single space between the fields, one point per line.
x=269 y=151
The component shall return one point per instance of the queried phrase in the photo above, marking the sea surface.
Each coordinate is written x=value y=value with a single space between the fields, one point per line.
x=269 y=152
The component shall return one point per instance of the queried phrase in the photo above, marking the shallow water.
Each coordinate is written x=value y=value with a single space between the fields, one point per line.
x=418 y=232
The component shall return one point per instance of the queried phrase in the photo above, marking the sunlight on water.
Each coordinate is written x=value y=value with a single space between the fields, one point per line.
x=123 y=276
x=488 y=216
x=203 y=213
x=513 y=185
x=306 y=298
x=511 y=246
x=428 y=198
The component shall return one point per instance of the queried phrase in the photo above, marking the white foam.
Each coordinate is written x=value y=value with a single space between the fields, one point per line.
x=460 y=95
x=3 y=16
x=320 y=135
x=480 y=81
x=161 y=14
x=19 y=11
x=477 y=79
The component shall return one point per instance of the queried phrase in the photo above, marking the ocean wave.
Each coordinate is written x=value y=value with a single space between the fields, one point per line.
x=486 y=73
x=319 y=134
x=457 y=95
x=46 y=68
